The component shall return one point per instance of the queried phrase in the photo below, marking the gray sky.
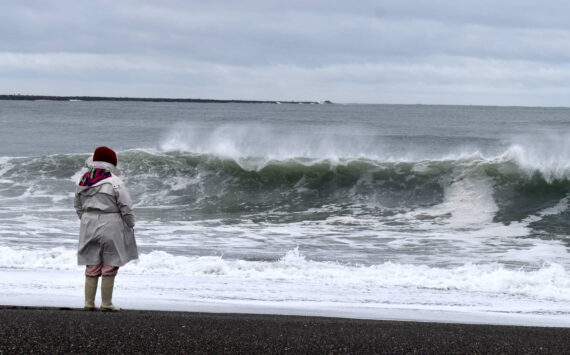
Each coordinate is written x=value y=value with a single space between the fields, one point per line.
x=506 y=52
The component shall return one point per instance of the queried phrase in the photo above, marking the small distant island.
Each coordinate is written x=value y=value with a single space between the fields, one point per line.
x=147 y=99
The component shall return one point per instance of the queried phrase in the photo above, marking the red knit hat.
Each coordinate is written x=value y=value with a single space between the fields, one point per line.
x=105 y=154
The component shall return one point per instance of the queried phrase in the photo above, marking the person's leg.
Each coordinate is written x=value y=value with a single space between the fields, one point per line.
x=94 y=270
x=107 y=270
x=92 y=273
x=107 y=284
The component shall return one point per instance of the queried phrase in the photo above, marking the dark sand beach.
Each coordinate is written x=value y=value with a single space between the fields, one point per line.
x=53 y=330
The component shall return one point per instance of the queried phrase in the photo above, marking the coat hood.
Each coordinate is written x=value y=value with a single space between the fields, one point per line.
x=103 y=165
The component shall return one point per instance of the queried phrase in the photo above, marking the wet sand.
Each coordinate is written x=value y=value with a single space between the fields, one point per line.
x=57 y=330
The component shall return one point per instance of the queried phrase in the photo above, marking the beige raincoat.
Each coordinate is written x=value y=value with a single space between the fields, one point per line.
x=107 y=221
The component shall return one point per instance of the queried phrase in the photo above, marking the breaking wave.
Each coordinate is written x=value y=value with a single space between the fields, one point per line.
x=218 y=184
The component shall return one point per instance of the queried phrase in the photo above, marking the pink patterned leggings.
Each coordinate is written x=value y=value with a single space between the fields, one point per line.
x=101 y=269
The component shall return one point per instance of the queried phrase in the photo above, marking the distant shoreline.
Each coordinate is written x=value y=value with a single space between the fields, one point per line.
x=148 y=99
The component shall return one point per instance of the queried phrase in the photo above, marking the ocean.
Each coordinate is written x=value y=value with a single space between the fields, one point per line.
x=436 y=213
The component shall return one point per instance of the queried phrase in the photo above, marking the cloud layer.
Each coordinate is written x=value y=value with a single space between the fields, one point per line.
x=446 y=52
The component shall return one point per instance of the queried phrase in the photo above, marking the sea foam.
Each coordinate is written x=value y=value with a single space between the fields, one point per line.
x=551 y=281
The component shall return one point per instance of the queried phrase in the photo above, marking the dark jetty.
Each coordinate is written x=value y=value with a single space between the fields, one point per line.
x=143 y=99
x=58 y=331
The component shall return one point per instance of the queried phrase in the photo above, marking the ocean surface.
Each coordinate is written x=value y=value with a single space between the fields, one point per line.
x=377 y=211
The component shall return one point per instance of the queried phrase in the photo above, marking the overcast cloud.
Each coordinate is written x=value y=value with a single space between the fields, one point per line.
x=438 y=51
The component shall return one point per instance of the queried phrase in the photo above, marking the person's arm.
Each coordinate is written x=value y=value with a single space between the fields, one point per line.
x=77 y=205
x=125 y=205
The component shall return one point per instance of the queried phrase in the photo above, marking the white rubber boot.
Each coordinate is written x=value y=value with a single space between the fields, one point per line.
x=90 y=292
x=107 y=283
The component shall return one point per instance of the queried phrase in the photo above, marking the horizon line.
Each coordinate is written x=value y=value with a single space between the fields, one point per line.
x=34 y=97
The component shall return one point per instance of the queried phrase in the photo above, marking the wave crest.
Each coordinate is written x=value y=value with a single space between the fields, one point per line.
x=211 y=183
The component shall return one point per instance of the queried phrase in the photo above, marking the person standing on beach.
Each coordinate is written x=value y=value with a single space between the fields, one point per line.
x=107 y=239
